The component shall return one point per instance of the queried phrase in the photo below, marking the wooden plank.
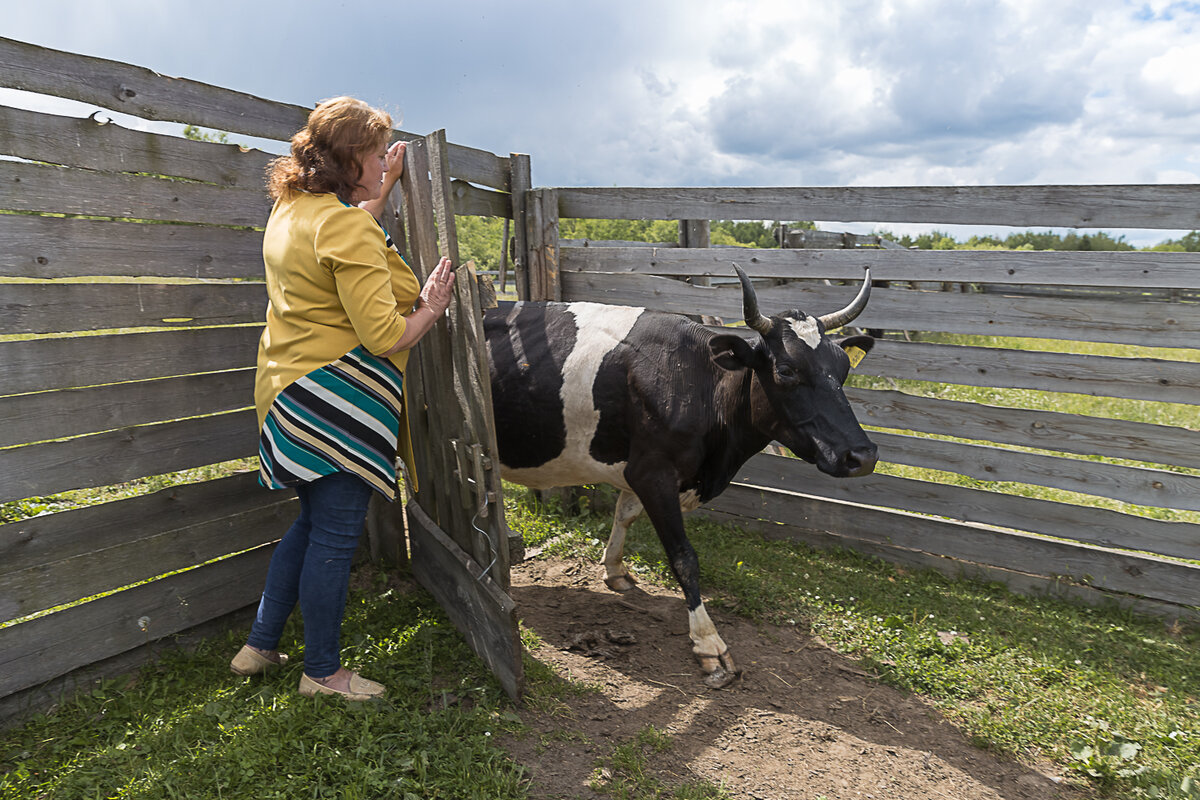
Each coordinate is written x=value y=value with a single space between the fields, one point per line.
x=52 y=308
x=422 y=253
x=68 y=534
x=471 y=200
x=1048 y=430
x=125 y=454
x=179 y=537
x=478 y=166
x=1017 y=582
x=443 y=195
x=59 y=363
x=149 y=95
x=521 y=183
x=47 y=696
x=1096 y=526
x=1144 y=487
x=1045 y=268
x=1166 y=206
x=73 y=412
x=1101 y=376
x=1116 y=571
x=696 y=233
x=34 y=246
x=143 y=93
x=481 y=611
x=450 y=416
x=35 y=187
x=542 y=240
x=93 y=144
x=580 y=262
x=1160 y=324
x=436 y=432
x=44 y=648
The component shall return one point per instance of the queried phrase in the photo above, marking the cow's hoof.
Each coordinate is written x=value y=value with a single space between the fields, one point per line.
x=720 y=669
x=621 y=583
x=719 y=679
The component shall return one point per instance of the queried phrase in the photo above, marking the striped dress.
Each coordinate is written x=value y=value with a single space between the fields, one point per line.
x=343 y=417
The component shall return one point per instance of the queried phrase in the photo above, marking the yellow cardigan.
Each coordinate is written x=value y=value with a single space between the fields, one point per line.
x=332 y=283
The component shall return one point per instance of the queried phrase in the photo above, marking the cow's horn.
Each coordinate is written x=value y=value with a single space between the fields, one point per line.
x=839 y=318
x=754 y=319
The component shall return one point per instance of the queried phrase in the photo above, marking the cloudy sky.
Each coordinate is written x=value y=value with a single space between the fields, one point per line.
x=710 y=92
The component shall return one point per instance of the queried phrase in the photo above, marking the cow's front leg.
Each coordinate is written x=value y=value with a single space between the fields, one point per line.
x=616 y=574
x=662 y=506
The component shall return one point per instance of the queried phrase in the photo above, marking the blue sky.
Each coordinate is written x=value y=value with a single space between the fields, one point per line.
x=710 y=92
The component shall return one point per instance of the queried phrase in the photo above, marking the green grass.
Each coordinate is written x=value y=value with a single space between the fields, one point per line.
x=625 y=775
x=1108 y=695
x=1112 y=697
x=185 y=727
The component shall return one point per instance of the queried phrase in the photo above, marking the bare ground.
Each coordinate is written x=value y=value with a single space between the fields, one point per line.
x=801 y=721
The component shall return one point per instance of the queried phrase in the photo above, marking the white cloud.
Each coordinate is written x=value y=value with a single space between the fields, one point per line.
x=678 y=93
x=1174 y=77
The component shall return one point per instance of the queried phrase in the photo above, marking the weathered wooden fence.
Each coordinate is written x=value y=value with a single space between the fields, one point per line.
x=1126 y=298
x=130 y=282
x=132 y=297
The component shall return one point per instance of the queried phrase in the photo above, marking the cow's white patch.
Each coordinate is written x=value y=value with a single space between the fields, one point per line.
x=807 y=331
x=705 y=639
x=600 y=328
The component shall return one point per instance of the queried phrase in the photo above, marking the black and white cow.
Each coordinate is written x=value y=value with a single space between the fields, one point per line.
x=667 y=411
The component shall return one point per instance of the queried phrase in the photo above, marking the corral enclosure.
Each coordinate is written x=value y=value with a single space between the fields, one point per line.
x=131 y=283
x=1122 y=489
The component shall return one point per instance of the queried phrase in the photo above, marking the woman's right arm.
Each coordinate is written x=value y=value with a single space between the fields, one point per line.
x=434 y=299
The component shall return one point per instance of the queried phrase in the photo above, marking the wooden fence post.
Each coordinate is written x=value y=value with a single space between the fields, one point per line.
x=695 y=233
x=541 y=228
x=520 y=182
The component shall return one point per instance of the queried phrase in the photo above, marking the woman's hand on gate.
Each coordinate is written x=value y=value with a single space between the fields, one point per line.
x=439 y=288
x=393 y=165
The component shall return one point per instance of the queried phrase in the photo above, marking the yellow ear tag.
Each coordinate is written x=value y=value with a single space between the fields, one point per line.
x=857 y=354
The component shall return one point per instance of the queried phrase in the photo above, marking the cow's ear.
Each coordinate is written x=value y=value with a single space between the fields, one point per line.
x=730 y=351
x=856 y=347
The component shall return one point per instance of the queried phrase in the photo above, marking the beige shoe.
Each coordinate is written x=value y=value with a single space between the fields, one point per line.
x=360 y=688
x=249 y=661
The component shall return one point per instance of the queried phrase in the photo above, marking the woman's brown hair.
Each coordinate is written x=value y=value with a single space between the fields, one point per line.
x=327 y=153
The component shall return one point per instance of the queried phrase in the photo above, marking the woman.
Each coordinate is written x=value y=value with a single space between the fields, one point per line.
x=344 y=310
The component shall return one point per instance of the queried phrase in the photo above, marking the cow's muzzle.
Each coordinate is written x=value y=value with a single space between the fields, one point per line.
x=858 y=462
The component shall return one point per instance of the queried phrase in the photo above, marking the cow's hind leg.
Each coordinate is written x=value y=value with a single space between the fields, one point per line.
x=662 y=506
x=616 y=575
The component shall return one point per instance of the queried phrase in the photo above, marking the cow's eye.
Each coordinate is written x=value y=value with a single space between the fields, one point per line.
x=785 y=373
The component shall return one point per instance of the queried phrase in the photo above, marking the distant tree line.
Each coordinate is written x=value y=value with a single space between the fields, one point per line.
x=480 y=237
x=1040 y=240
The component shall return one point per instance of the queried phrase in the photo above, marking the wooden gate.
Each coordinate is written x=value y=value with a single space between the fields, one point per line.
x=459 y=541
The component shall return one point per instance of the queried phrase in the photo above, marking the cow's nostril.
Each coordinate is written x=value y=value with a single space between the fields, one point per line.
x=860 y=462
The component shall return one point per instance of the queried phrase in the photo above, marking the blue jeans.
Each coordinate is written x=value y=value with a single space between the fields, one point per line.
x=312 y=564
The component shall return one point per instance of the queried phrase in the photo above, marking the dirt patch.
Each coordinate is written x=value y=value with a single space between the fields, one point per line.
x=801 y=721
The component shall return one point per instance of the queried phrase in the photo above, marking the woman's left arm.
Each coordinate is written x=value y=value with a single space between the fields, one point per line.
x=394 y=168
